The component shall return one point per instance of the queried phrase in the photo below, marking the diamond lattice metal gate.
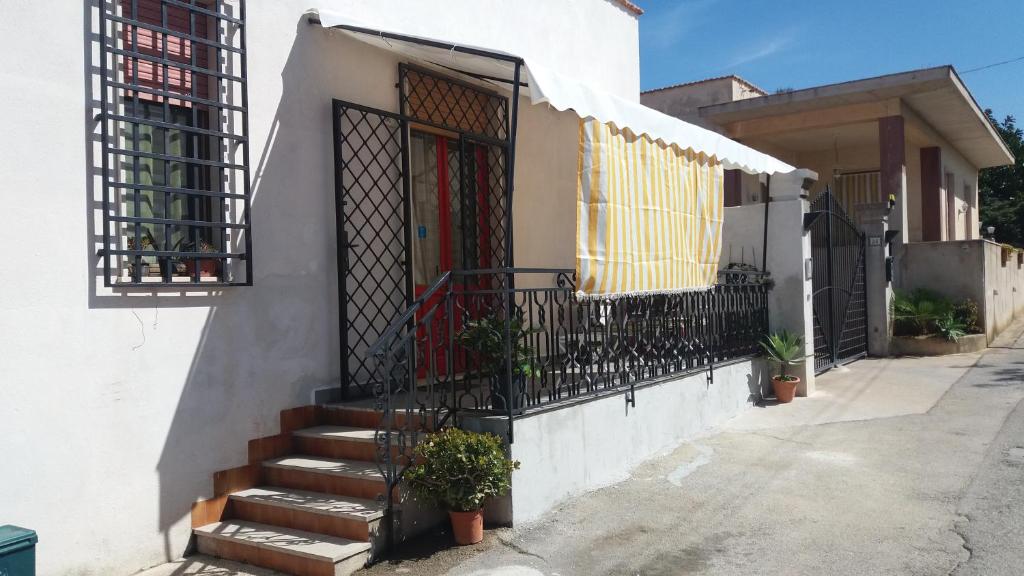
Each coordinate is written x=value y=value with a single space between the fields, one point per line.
x=371 y=205
x=840 y=296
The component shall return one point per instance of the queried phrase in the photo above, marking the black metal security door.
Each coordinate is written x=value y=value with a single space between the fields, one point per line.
x=371 y=206
x=374 y=202
x=840 y=296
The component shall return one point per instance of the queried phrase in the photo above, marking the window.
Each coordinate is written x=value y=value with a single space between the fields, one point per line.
x=969 y=225
x=175 y=143
x=949 y=192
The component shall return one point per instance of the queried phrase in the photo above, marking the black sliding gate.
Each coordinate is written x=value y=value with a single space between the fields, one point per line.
x=840 y=298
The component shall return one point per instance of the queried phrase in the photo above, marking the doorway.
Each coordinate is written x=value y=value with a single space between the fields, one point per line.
x=449 y=227
x=418 y=193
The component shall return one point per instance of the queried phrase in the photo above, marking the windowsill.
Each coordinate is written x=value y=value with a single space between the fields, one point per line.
x=184 y=280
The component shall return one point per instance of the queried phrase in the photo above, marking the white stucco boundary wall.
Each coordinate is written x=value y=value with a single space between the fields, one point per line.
x=572 y=450
x=972 y=269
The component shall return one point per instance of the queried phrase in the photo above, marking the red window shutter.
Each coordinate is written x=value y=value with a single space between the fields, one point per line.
x=150 y=43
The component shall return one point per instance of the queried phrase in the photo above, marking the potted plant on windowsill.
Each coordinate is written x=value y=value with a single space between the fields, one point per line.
x=459 y=470
x=786 y=349
x=144 y=243
x=486 y=338
x=207 y=266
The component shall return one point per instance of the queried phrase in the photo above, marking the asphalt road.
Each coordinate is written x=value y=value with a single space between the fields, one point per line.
x=992 y=507
x=935 y=490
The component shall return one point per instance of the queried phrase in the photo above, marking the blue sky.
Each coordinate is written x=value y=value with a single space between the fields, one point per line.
x=790 y=44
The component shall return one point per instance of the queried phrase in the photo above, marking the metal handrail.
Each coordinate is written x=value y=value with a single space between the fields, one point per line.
x=392 y=330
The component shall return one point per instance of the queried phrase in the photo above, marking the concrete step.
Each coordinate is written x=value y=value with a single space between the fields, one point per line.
x=353 y=518
x=337 y=476
x=287 y=550
x=343 y=442
x=366 y=417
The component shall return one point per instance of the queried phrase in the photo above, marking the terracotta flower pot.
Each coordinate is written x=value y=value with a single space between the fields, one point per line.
x=207 y=268
x=467 y=526
x=785 y=389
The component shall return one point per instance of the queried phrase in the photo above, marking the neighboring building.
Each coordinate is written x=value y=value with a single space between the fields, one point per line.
x=916 y=139
x=684 y=101
x=919 y=136
x=229 y=214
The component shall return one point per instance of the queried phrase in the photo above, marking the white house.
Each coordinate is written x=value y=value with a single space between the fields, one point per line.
x=180 y=367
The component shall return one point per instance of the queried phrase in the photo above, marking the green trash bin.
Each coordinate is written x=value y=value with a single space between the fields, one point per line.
x=17 y=551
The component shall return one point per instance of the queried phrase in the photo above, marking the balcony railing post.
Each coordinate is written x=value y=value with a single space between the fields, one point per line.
x=509 y=348
x=449 y=308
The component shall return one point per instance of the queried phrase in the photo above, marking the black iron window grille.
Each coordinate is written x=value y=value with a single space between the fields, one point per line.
x=175 y=158
x=450 y=104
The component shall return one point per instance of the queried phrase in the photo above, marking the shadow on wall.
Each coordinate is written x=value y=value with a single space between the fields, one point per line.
x=261 y=348
x=758 y=382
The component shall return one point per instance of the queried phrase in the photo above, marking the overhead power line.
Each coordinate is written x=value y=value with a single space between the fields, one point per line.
x=987 y=66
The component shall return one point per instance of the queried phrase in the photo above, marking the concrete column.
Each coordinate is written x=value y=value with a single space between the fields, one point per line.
x=931 y=194
x=789 y=261
x=874 y=220
x=893 y=176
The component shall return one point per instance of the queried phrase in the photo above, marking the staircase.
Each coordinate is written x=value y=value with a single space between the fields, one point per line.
x=309 y=502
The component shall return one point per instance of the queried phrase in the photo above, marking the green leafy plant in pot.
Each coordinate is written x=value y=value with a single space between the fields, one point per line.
x=786 y=349
x=459 y=470
x=485 y=337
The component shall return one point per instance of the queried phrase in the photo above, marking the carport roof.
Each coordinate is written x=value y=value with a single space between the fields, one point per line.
x=936 y=94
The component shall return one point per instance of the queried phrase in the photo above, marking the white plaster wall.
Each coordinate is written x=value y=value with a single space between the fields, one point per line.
x=743 y=235
x=964 y=173
x=920 y=134
x=544 y=207
x=596 y=41
x=115 y=410
x=568 y=452
x=1004 y=289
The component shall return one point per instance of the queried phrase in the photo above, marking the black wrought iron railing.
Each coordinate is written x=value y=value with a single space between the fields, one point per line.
x=512 y=341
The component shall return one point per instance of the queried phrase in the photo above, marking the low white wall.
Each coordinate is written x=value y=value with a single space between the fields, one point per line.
x=570 y=451
x=1004 y=289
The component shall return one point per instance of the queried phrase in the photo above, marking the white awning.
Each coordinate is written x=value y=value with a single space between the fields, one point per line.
x=556 y=90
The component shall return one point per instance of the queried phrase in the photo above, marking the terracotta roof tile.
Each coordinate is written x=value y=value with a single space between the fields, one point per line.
x=630 y=7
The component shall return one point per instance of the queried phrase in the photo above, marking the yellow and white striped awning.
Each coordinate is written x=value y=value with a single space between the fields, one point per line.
x=649 y=215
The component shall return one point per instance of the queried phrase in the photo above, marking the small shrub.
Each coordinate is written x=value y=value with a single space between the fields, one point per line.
x=458 y=470
x=915 y=313
x=950 y=328
x=966 y=313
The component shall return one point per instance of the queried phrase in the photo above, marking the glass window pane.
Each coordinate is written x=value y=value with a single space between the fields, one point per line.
x=425 y=215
